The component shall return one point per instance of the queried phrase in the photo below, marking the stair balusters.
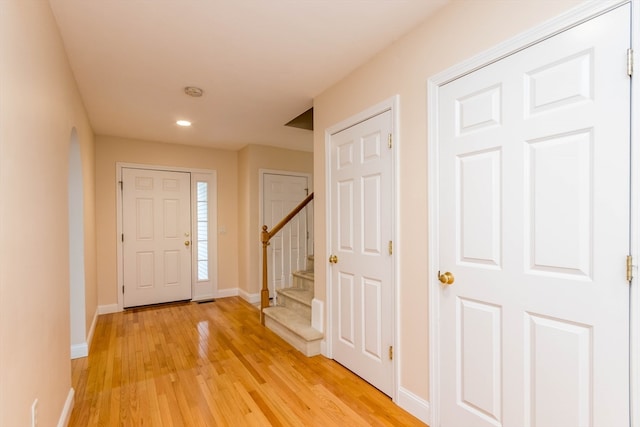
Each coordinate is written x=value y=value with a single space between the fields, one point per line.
x=265 y=237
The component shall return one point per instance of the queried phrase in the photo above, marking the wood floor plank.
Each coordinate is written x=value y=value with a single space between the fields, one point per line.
x=188 y=364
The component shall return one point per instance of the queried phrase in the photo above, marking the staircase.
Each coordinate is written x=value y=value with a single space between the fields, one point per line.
x=291 y=317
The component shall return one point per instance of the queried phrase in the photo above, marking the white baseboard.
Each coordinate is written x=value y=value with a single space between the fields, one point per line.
x=415 y=405
x=323 y=348
x=250 y=298
x=82 y=349
x=225 y=293
x=79 y=350
x=107 y=309
x=63 y=421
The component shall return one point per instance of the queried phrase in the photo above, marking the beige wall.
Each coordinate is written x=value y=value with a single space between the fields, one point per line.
x=110 y=150
x=458 y=31
x=252 y=158
x=39 y=107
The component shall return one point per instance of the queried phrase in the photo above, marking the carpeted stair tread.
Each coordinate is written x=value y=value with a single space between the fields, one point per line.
x=305 y=274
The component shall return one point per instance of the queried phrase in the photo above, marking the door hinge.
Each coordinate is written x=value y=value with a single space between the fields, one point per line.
x=122 y=237
x=630 y=62
x=390 y=141
x=120 y=185
x=123 y=289
x=629 y=268
x=390 y=352
x=390 y=247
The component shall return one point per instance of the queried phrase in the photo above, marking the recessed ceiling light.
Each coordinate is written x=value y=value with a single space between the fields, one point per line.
x=196 y=92
x=184 y=123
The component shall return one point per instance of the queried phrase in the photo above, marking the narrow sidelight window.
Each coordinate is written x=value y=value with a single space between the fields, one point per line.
x=202 y=217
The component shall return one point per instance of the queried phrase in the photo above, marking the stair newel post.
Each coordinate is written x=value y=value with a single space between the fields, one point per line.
x=264 y=294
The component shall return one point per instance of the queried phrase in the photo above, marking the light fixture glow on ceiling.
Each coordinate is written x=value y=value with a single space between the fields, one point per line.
x=193 y=91
x=184 y=123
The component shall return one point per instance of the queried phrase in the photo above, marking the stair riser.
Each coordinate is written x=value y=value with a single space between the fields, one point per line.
x=303 y=283
x=308 y=348
x=298 y=307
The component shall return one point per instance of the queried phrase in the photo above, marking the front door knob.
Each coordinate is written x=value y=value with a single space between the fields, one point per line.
x=446 y=278
x=333 y=259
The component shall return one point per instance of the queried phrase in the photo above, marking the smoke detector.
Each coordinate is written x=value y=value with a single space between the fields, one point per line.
x=193 y=91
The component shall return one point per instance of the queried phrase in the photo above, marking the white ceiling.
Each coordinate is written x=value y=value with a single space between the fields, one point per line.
x=259 y=62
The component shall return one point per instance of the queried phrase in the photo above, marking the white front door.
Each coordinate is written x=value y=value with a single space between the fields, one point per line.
x=156 y=211
x=287 y=250
x=534 y=226
x=361 y=232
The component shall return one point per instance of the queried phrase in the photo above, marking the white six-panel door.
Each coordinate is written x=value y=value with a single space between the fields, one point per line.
x=361 y=229
x=534 y=226
x=157 y=243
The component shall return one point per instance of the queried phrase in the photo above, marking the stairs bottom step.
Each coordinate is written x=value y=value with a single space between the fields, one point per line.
x=294 y=329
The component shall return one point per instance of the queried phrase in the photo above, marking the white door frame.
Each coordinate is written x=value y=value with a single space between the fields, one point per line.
x=261 y=174
x=634 y=311
x=392 y=104
x=544 y=31
x=213 y=227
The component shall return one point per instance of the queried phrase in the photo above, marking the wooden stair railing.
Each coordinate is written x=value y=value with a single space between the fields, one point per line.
x=265 y=237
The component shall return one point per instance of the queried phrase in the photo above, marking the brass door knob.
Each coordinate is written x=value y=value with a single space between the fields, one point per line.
x=446 y=278
x=187 y=242
x=333 y=259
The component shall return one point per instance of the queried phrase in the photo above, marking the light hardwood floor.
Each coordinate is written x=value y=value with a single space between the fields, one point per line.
x=212 y=364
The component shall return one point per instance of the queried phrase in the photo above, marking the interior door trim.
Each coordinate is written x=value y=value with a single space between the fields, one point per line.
x=634 y=308
x=569 y=19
